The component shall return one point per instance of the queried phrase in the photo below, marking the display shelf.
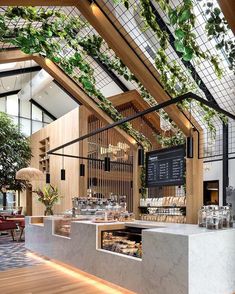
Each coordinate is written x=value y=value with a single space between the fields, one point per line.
x=44 y=161
x=171 y=206
x=127 y=241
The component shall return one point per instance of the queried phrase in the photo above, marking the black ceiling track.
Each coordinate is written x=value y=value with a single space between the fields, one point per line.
x=43 y=109
x=19 y=71
x=5 y=94
x=145 y=112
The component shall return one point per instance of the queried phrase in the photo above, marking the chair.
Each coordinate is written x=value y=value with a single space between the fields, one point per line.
x=8 y=226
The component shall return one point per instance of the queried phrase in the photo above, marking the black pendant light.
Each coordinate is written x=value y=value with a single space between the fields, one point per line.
x=82 y=170
x=62 y=174
x=140 y=156
x=107 y=164
x=62 y=171
x=48 y=178
x=189 y=150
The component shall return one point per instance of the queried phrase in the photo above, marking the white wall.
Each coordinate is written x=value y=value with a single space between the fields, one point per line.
x=215 y=172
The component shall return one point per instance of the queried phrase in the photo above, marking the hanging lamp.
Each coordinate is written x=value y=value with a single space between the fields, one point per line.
x=107 y=162
x=62 y=171
x=140 y=156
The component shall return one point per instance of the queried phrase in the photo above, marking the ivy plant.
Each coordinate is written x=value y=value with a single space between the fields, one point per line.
x=173 y=77
x=182 y=19
x=218 y=28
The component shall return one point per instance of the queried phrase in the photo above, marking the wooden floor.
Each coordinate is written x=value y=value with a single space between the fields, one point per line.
x=51 y=278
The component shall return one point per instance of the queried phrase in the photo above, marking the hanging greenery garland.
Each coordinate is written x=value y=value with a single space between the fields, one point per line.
x=218 y=28
x=182 y=20
x=174 y=79
x=49 y=40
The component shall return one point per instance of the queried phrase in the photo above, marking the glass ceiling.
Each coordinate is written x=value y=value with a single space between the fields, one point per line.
x=223 y=91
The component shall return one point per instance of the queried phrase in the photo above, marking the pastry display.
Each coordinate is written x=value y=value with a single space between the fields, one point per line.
x=164 y=218
x=62 y=227
x=178 y=201
x=121 y=244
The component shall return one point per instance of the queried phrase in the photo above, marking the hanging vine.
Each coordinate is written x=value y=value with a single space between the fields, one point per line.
x=218 y=28
x=174 y=79
x=182 y=20
x=48 y=40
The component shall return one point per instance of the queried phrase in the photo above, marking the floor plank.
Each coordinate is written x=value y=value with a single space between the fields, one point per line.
x=51 y=278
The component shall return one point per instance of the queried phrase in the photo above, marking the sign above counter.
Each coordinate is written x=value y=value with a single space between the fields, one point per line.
x=166 y=167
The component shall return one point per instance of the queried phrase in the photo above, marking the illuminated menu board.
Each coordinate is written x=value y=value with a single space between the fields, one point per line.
x=165 y=167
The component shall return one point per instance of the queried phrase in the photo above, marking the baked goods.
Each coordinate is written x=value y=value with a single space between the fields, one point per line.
x=121 y=244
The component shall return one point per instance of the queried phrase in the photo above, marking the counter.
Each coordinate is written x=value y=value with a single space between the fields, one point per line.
x=177 y=258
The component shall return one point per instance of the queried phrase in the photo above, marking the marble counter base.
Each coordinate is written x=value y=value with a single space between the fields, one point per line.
x=177 y=259
x=81 y=251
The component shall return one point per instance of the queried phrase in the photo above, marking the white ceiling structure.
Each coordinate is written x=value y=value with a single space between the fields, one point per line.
x=51 y=97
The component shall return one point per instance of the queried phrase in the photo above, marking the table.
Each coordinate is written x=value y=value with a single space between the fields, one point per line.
x=20 y=222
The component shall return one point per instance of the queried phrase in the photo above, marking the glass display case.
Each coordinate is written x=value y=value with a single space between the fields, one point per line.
x=127 y=241
x=62 y=227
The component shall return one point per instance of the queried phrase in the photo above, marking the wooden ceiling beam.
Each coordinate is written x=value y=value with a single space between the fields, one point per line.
x=228 y=9
x=66 y=83
x=135 y=98
x=13 y=56
x=129 y=57
x=38 y=3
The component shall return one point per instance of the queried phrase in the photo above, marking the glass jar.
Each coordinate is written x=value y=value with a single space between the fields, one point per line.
x=202 y=214
x=214 y=220
x=100 y=216
x=225 y=215
x=230 y=215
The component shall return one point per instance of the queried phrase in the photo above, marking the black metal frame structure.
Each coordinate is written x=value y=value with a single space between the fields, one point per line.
x=143 y=113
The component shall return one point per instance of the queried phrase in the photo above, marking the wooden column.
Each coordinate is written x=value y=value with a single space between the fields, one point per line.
x=29 y=205
x=228 y=9
x=83 y=148
x=194 y=183
x=136 y=183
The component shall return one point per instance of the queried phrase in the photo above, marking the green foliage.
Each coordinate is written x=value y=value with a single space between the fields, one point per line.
x=15 y=153
x=217 y=27
x=168 y=141
x=174 y=79
x=48 y=40
x=48 y=196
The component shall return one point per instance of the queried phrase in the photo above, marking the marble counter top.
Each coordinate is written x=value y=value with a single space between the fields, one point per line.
x=159 y=227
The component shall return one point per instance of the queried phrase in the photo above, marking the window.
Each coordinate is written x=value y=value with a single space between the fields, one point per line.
x=25 y=109
x=36 y=113
x=36 y=126
x=47 y=119
x=28 y=117
x=3 y=104
x=12 y=105
x=25 y=126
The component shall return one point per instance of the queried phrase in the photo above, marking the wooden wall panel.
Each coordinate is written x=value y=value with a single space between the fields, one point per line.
x=60 y=131
x=194 y=184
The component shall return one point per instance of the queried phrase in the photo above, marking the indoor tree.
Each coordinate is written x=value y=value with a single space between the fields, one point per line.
x=15 y=153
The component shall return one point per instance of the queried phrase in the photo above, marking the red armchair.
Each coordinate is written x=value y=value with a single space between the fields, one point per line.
x=8 y=226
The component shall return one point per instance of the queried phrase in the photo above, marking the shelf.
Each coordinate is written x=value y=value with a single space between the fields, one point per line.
x=162 y=206
x=44 y=163
x=160 y=214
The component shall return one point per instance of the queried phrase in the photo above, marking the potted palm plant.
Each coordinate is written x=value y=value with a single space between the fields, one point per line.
x=48 y=196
